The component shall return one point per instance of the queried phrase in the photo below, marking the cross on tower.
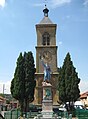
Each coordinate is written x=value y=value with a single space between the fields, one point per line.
x=45 y=10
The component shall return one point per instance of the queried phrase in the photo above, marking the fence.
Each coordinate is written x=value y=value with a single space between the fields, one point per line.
x=64 y=115
x=81 y=114
x=15 y=114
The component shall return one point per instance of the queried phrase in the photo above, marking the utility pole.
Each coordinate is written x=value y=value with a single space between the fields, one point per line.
x=3 y=88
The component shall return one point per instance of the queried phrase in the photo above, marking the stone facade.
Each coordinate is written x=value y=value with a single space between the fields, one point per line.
x=47 y=49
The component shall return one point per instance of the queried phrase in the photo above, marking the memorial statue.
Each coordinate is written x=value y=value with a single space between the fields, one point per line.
x=47 y=70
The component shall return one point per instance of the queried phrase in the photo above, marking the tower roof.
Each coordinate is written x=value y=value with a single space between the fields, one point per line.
x=46 y=19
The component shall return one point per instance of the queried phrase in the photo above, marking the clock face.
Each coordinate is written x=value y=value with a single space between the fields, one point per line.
x=47 y=56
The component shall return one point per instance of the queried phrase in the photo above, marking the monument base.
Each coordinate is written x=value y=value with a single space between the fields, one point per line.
x=47 y=111
x=47 y=114
x=47 y=103
x=48 y=118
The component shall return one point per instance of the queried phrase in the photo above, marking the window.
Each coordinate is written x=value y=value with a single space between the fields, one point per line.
x=46 y=39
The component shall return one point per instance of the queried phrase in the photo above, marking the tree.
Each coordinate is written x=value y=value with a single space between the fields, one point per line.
x=29 y=78
x=23 y=83
x=17 y=83
x=2 y=95
x=68 y=82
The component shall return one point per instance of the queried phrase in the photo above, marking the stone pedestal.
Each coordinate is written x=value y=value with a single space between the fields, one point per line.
x=47 y=104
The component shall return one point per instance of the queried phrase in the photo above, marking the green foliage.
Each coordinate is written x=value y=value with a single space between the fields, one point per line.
x=7 y=101
x=23 y=83
x=68 y=81
x=17 y=84
x=29 y=75
x=2 y=95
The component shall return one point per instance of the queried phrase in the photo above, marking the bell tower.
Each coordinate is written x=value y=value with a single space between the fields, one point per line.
x=46 y=48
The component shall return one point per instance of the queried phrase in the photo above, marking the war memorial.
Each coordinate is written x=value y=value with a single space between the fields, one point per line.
x=46 y=93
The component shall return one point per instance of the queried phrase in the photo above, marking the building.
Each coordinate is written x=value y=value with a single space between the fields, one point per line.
x=14 y=103
x=47 y=49
x=2 y=101
x=84 y=98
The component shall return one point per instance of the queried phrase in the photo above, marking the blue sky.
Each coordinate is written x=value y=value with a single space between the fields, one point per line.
x=18 y=34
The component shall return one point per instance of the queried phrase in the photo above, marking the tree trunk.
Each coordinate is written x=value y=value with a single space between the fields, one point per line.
x=21 y=107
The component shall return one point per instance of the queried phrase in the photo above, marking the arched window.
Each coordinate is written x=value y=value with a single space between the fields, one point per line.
x=46 y=39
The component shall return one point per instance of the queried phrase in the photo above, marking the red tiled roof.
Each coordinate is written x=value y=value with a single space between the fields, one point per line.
x=84 y=95
x=1 y=98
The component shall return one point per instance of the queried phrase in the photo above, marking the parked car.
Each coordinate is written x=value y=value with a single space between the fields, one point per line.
x=79 y=105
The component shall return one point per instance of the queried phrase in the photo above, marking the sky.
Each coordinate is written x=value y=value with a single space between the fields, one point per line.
x=18 y=34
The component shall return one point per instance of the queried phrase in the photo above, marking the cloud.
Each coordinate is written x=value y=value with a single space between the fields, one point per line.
x=54 y=3
x=6 y=87
x=60 y=43
x=68 y=16
x=83 y=86
x=57 y=3
x=2 y=3
x=85 y=3
x=38 y=5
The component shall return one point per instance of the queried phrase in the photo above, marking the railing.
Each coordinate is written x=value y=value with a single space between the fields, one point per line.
x=15 y=114
x=81 y=114
x=64 y=115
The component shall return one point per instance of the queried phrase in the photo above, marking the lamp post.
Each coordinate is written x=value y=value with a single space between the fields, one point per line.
x=4 y=89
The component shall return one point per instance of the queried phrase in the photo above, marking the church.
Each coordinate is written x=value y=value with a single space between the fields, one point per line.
x=47 y=49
